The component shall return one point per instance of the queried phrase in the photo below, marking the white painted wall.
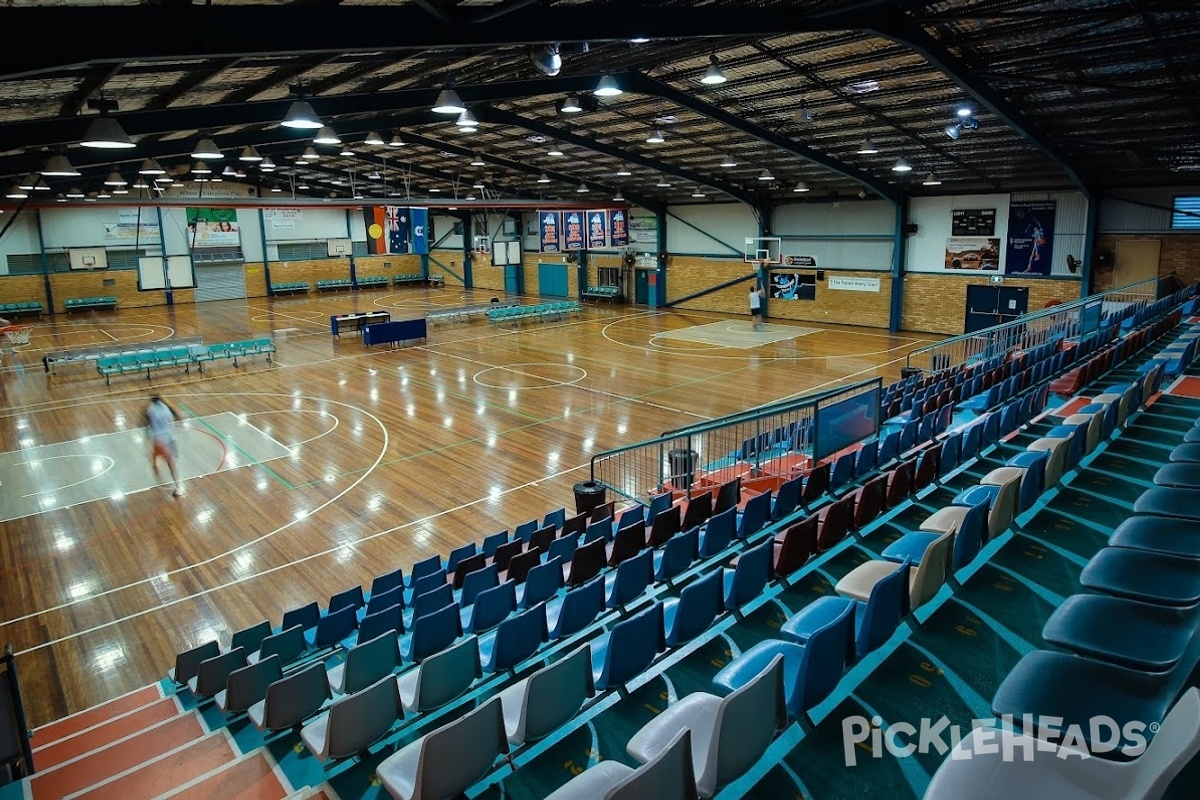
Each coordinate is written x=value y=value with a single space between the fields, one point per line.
x=21 y=238
x=730 y=223
x=1141 y=210
x=841 y=235
x=927 y=248
x=312 y=224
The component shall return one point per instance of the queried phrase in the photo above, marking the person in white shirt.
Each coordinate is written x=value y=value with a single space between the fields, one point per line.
x=756 y=295
x=160 y=420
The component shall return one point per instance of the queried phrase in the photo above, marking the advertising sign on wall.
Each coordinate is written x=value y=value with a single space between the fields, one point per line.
x=212 y=227
x=1030 y=237
x=972 y=253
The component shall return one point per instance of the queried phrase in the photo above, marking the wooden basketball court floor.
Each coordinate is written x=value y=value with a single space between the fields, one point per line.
x=333 y=464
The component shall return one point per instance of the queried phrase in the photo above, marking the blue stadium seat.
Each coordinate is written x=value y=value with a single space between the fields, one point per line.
x=749 y=578
x=491 y=607
x=574 y=611
x=629 y=580
x=542 y=583
x=388 y=619
x=433 y=632
x=677 y=555
x=516 y=639
x=623 y=653
x=698 y=605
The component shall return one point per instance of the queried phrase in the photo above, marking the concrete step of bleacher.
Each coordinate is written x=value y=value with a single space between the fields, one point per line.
x=255 y=776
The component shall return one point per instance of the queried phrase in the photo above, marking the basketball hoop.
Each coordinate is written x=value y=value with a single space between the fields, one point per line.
x=17 y=334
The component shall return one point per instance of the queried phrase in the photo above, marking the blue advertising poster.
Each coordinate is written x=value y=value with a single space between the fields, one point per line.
x=618 y=228
x=573 y=230
x=1030 y=237
x=418 y=220
x=549 y=227
x=597 y=229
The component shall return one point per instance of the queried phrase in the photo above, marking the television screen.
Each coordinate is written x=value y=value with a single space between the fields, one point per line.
x=846 y=422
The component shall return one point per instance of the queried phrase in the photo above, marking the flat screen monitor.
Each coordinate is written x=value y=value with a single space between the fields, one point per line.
x=846 y=422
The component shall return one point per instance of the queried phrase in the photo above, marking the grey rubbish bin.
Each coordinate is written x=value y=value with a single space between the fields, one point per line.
x=588 y=495
x=683 y=464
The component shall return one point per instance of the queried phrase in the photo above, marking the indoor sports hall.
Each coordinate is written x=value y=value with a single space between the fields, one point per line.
x=598 y=400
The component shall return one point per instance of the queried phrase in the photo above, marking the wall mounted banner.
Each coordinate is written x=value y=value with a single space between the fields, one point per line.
x=644 y=232
x=418 y=221
x=618 y=228
x=973 y=222
x=800 y=261
x=854 y=284
x=973 y=253
x=1030 y=237
x=281 y=218
x=212 y=227
x=597 y=233
x=549 y=229
x=129 y=227
x=573 y=230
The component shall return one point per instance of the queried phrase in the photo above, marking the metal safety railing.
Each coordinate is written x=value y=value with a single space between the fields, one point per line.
x=1030 y=330
x=764 y=441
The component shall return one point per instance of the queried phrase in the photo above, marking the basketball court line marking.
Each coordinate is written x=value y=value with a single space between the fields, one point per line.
x=188 y=567
x=734 y=334
x=552 y=383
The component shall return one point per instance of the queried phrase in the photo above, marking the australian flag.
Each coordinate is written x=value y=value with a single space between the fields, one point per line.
x=397 y=229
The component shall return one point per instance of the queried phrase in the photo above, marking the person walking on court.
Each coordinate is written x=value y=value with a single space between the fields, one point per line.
x=160 y=420
x=756 y=295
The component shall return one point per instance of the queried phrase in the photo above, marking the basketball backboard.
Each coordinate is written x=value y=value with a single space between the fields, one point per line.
x=763 y=250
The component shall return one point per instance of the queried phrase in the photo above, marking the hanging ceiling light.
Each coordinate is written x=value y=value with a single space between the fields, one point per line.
x=571 y=105
x=478 y=184
x=151 y=167
x=583 y=189
x=267 y=165
x=953 y=130
x=543 y=178
x=801 y=187
x=199 y=168
x=466 y=119
x=931 y=180
x=964 y=111
x=373 y=175
x=114 y=179
x=301 y=115
x=448 y=102
x=728 y=162
x=103 y=194
x=607 y=87
x=546 y=58
x=138 y=183
x=901 y=165
x=164 y=179
x=618 y=197
x=106 y=133
x=229 y=172
x=766 y=175
x=74 y=193
x=115 y=189
x=554 y=150
x=346 y=151
x=396 y=141
x=624 y=172
x=867 y=148
x=663 y=183
x=27 y=183
x=91 y=197
x=58 y=166
x=326 y=135
x=207 y=148
x=714 y=75
x=40 y=185
x=374 y=139
x=250 y=154
x=276 y=189
x=805 y=113
x=697 y=193
x=477 y=161
x=655 y=137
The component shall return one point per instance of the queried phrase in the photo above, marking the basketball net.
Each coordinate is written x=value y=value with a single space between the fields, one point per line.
x=17 y=334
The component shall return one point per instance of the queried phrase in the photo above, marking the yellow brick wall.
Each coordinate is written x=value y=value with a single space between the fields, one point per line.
x=453 y=259
x=688 y=274
x=22 y=289
x=486 y=276
x=308 y=270
x=598 y=260
x=936 y=303
x=838 y=306
x=66 y=285
x=530 y=268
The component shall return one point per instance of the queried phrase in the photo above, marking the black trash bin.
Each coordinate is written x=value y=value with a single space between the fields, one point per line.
x=908 y=372
x=683 y=464
x=588 y=495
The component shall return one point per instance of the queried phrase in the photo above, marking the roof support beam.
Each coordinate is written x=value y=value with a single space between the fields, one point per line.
x=232 y=31
x=898 y=29
x=99 y=76
x=498 y=116
x=192 y=81
x=646 y=85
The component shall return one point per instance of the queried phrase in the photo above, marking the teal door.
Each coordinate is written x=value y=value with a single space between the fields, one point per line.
x=552 y=280
x=512 y=279
x=641 y=287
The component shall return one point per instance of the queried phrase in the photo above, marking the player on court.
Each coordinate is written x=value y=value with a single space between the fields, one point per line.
x=756 y=296
x=160 y=420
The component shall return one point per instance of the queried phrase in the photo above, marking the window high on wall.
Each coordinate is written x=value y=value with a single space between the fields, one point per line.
x=1185 y=213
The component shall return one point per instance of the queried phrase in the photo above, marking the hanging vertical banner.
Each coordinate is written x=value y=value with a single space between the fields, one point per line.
x=573 y=230
x=597 y=236
x=396 y=229
x=618 y=228
x=418 y=218
x=1030 y=237
x=549 y=226
x=212 y=227
x=375 y=222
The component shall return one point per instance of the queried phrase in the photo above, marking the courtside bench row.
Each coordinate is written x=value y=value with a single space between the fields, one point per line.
x=181 y=356
x=15 y=309
x=540 y=311
x=367 y=282
x=76 y=303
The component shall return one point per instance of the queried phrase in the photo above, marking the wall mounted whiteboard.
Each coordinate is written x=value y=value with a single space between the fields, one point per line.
x=179 y=268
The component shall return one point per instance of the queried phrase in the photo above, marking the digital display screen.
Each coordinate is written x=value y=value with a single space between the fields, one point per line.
x=846 y=422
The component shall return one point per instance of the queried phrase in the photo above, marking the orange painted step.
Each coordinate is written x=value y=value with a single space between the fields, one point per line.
x=103 y=734
x=251 y=778
x=98 y=765
x=168 y=772
x=75 y=723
